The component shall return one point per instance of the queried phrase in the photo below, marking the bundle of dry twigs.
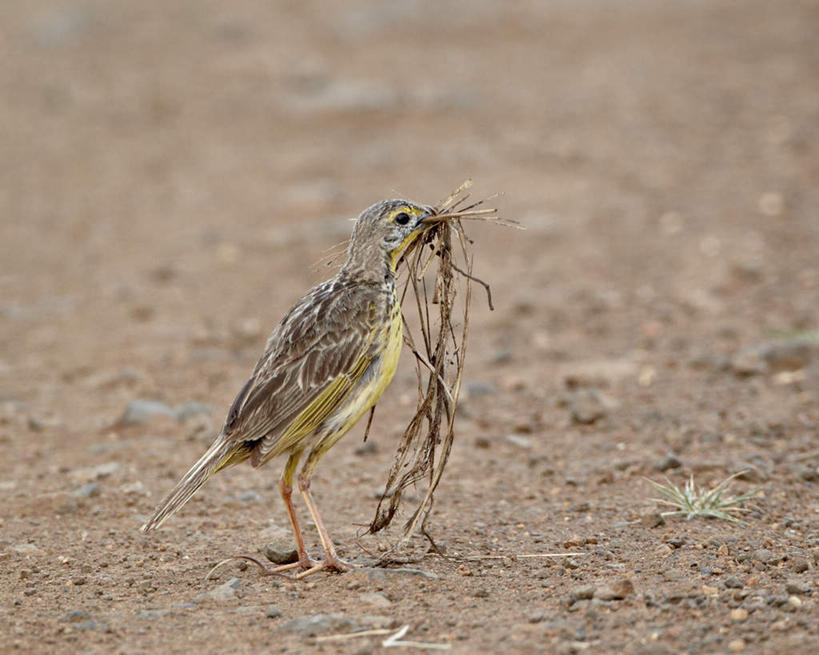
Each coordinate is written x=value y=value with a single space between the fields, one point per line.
x=440 y=352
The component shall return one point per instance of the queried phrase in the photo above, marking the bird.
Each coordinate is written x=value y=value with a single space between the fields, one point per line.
x=325 y=365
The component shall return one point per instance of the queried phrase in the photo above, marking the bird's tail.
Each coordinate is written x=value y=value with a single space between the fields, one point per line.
x=219 y=455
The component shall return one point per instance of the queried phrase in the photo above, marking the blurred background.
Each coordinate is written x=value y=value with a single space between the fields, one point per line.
x=173 y=174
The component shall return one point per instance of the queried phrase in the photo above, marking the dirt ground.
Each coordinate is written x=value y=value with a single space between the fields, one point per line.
x=170 y=175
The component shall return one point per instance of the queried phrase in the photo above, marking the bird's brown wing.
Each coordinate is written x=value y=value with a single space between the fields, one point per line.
x=314 y=357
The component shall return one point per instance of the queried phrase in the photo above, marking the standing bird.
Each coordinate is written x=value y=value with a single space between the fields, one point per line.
x=324 y=366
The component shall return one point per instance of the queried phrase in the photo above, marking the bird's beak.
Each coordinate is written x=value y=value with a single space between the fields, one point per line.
x=429 y=217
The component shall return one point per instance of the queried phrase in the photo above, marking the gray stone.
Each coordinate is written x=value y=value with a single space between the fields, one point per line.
x=88 y=490
x=75 y=616
x=151 y=615
x=762 y=555
x=317 y=623
x=192 y=409
x=478 y=388
x=140 y=412
x=369 y=575
x=280 y=553
x=733 y=582
x=776 y=356
x=272 y=612
x=249 y=496
x=586 y=406
x=367 y=448
x=376 y=599
x=797 y=587
x=95 y=472
x=670 y=461
x=798 y=564
x=652 y=520
x=585 y=592
x=230 y=589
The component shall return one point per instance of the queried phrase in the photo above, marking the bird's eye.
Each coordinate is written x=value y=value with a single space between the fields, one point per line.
x=402 y=218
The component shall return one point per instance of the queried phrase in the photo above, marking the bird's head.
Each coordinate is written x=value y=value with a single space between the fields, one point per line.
x=388 y=228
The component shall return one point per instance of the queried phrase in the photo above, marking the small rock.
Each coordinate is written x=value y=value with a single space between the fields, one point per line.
x=799 y=564
x=739 y=614
x=652 y=520
x=809 y=473
x=775 y=356
x=585 y=592
x=88 y=490
x=38 y=423
x=586 y=406
x=670 y=461
x=482 y=442
x=95 y=472
x=622 y=588
x=280 y=553
x=313 y=625
x=605 y=593
x=795 y=601
x=140 y=412
x=192 y=409
x=733 y=582
x=230 y=589
x=272 y=612
x=736 y=646
x=249 y=496
x=75 y=616
x=536 y=617
x=797 y=587
x=762 y=555
x=152 y=615
x=478 y=388
x=376 y=599
x=134 y=488
x=367 y=448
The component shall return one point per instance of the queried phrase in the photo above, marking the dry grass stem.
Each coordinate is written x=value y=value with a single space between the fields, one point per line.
x=439 y=346
x=395 y=642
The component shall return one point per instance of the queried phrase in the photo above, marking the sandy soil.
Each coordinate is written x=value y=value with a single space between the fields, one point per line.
x=171 y=172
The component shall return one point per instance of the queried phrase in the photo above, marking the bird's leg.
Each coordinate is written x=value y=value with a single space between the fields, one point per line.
x=331 y=558
x=286 y=490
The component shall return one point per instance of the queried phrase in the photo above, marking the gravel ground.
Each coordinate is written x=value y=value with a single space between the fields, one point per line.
x=171 y=174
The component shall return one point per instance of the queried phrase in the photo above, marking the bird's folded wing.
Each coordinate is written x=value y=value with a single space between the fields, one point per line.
x=314 y=358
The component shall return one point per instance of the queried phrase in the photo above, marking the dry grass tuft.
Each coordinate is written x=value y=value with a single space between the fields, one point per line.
x=440 y=352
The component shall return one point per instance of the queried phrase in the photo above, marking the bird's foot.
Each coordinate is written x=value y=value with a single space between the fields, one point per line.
x=331 y=562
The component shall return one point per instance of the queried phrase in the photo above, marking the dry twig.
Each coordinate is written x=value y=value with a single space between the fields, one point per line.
x=440 y=353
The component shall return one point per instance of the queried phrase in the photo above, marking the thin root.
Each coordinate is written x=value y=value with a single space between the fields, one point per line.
x=249 y=558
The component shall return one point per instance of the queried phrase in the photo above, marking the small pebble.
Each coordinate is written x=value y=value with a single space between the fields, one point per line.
x=670 y=461
x=762 y=555
x=736 y=646
x=375 y=598
x=733 y=582
x=739 y=614
x=797 y=588
x=280 y=553
x=585 y=592
x=586 y=406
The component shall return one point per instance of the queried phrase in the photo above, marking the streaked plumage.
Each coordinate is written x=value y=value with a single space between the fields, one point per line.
x=325 y=365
